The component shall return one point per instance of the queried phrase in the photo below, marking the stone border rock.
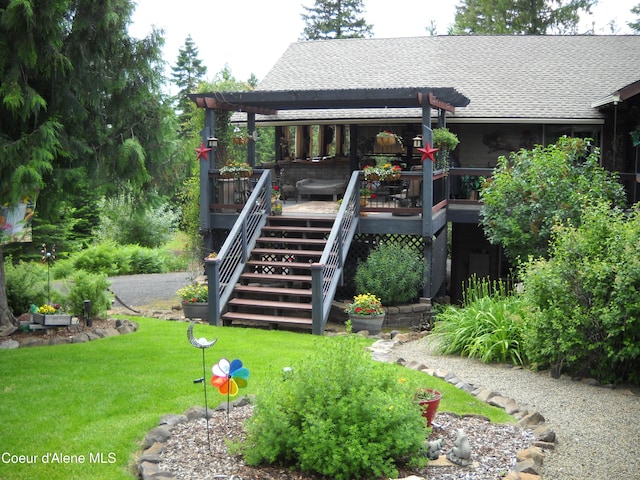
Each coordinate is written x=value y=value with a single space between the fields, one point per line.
x=154 y=440
x=122 y=327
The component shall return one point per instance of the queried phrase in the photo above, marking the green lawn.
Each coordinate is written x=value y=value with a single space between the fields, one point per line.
x=94 y=402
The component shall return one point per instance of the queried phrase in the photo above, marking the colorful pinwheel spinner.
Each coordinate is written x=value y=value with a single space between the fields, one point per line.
x=228 y=377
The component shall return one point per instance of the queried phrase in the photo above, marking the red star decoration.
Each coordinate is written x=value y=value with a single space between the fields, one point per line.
x=427 y=152
x=203 y=151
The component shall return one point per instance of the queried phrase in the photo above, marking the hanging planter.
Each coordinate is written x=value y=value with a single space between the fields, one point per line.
x=240 y=140
x=387 y=138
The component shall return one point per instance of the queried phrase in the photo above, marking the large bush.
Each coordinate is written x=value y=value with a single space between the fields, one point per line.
x=26 y=284
x=392 y=272
x=92 y=287
x=534 y=189
x=489 y=325
x=113 y=259
x=124 y=222
x=339 y=414
x=588 y=297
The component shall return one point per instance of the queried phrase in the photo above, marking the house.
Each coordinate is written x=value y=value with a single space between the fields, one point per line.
x=328 y=99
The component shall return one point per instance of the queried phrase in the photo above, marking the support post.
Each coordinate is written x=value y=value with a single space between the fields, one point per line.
x=251 y=147
x=206 y=184
x=427 y=194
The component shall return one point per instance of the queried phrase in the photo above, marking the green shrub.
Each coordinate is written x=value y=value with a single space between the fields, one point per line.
x=534 y=189
x=113 y=259
x=392 y=272
x=339 y=414
x=587 y=297
x=91 y=287
x=124 y=222
x=489 y=325
x=26 y=283
x=107 y=257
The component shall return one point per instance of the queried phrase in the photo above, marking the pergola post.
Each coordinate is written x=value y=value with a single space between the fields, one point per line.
x=206 y=185
x=427 y=195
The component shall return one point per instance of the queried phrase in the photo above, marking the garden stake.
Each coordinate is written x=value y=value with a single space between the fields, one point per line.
x=202 y=344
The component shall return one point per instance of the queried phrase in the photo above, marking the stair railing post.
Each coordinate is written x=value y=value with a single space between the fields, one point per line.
x=212 y=269
x=245 y=242
x=317 y=302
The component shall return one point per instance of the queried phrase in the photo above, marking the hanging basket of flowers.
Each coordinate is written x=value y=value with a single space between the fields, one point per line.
x=387 y=138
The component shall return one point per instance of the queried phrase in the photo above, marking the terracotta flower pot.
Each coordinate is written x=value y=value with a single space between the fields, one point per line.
x=430 y=407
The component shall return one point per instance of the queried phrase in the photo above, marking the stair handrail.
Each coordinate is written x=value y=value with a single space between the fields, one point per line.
x=224 y=271
x=327 y=273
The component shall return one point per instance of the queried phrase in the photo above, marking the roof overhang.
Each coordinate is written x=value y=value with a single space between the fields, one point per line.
x=270 y=102
x=618 y=96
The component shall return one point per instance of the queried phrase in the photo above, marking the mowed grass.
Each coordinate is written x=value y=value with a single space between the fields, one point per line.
x=81 y=411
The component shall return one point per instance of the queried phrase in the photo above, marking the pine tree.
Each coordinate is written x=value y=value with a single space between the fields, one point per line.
x=329 y=19
x=81 y=111
x=635 y=25
x=187 y=75
x=523 y=17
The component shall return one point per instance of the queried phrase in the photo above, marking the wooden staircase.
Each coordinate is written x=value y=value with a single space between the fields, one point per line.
x=275 y=287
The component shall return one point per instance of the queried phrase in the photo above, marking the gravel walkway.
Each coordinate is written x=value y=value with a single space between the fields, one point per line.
x=598 y=429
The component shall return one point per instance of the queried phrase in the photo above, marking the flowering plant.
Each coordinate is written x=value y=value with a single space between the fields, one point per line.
x=365 y=304
x=381 y=172
x=194 y=293
x=49 y=309
x=388 y=135
x=235 y=168
x=275 y=192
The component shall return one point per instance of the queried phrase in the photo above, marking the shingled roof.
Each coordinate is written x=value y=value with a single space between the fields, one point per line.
x=512 y=78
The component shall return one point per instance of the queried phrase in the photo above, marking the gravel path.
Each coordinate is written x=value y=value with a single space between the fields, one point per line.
x=598 y=429
x=149 y=289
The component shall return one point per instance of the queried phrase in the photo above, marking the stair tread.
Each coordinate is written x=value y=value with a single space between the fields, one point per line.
x=283 y=252
x=250 y=302
x=295 y=228
x=298 y=218
x=277 y=276
x=266 y=318
x=273 y=290
x=294 y=240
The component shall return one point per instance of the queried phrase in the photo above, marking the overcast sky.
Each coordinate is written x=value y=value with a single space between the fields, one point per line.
x=251 y=35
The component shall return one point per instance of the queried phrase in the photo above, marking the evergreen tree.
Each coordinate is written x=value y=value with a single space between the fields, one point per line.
x=524 y=17
x=81 y=112
x=635 y=25
x=187 y=75
x=329 y=19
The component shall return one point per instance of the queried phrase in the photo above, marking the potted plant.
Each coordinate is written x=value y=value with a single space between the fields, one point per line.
x=366 y=313
x=429 y=400
x=195 y=300
x=470 y=185
x=235 y=168
x=387 y=137
x=51 y=316
x=446 y=141
x=386 y=172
